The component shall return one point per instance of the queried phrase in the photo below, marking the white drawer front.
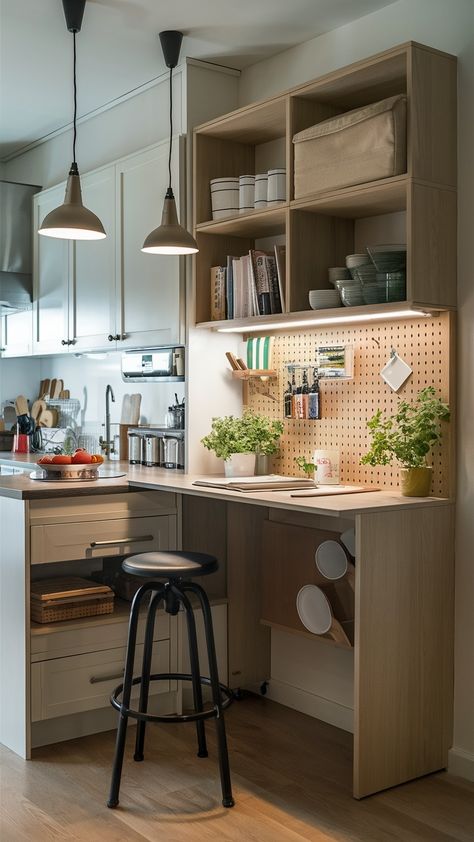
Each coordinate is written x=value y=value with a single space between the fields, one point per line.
x=103 y=631
x=84 y=682
x=94 y=539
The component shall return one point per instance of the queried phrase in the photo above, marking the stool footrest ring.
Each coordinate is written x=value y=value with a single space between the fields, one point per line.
x=214 y=712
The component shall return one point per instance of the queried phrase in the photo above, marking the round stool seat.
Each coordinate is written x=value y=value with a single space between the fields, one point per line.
x=171 y=564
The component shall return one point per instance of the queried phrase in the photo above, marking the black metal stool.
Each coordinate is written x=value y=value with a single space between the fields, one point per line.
x=177 y=568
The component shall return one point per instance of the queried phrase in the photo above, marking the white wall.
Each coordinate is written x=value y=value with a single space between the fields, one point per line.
x=448 y=26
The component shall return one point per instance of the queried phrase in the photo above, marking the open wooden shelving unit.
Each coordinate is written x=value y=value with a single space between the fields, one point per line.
x=319 y=230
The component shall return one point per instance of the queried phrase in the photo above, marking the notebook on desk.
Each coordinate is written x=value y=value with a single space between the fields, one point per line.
x=269 y=482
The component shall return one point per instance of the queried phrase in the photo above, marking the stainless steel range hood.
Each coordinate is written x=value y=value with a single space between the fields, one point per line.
x=16 y=236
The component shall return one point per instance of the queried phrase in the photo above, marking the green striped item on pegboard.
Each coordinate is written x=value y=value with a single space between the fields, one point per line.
x=260 y=352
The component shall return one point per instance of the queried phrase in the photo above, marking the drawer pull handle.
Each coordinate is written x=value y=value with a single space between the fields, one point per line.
x=97 y=679
x=112 y=543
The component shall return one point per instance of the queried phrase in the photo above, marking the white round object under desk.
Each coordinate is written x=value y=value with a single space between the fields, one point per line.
x=348 y=538
x=331 y=560
x=313 y=609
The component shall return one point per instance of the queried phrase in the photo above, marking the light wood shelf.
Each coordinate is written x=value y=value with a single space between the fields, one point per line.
x=320 y=230
x=337 y=315
x=257 y=223
x=250 y=373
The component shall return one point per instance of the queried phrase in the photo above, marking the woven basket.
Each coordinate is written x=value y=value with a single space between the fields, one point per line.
x=54 y=613
x=69 y=598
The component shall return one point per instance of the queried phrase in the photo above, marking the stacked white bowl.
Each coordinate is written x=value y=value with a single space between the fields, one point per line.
x=324 y=299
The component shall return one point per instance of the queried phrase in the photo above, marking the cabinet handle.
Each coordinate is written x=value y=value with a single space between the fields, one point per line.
x=97 y=679
x=112 y=543
x=111 y=338
x=67 y=341
x=63 y=341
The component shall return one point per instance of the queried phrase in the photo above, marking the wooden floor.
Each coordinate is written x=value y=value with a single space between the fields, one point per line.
x=291 y=776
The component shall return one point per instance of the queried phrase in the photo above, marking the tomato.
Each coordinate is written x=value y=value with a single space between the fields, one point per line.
x=61 y=459
x=81 y=457
x=97 y=459
x=45 y=460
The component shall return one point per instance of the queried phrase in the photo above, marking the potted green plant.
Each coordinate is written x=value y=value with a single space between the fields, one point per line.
x=409 y=435
x=239 y=440
x=266 y=437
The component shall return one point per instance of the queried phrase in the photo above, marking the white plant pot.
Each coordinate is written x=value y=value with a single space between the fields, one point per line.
x=240 y=465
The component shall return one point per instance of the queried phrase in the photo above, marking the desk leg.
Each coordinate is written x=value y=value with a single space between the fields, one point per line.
x=403 y=646
x=249 y=641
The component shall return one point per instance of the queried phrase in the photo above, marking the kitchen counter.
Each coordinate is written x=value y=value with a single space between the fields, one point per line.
x=21 y=487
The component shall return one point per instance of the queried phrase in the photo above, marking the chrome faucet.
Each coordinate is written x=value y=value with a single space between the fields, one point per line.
x=106 y=443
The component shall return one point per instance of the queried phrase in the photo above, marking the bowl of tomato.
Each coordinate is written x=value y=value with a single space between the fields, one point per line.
x=79 y=465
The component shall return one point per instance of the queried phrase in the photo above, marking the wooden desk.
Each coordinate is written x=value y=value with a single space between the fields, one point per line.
x=403 y=645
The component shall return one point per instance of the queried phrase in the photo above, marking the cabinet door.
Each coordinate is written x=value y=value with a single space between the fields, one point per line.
x=50 y=280
x=17 y=334
x=92 y=299
x=150 y=297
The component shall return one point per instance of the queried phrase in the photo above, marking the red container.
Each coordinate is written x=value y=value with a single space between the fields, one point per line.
x=21 y=443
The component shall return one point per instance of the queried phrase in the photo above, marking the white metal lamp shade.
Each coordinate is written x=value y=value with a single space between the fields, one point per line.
x=71 y=220
x=170 y=237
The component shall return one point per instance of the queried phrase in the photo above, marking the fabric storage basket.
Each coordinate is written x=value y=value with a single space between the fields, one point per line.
x=69 y=598
x=361 y=145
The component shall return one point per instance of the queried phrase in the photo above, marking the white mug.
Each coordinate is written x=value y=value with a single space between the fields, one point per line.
x=327 y=465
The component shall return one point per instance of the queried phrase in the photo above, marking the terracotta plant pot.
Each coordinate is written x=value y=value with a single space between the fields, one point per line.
x=240 y=465
x=416 y=482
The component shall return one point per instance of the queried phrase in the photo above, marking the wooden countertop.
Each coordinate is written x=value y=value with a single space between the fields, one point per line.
x=21 y=487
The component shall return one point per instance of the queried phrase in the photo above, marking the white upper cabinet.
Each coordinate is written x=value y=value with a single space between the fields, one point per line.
x=17 y=334
x=51 y=269
x=149 y=292
x=107 y=294
x=92 y=290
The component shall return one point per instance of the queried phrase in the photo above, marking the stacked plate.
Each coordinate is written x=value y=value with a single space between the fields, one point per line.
x=392 y=258
x=354 y=261
x=338 y=273
x=350 y=292
x=387 y=286
x=324 y=299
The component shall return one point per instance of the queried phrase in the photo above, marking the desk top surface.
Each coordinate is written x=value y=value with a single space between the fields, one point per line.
x=21 y=487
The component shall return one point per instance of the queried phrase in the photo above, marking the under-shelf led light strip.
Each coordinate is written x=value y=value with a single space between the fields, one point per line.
x=360 y=317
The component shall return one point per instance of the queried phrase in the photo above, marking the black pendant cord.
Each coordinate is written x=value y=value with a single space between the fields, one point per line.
x=74 y=136
x=171 y=128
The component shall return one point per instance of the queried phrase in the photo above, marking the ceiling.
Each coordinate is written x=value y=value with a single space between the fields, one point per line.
x=118 y=49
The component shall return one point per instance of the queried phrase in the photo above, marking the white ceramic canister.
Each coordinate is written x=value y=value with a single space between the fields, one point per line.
x=276 y=188
x=246 y=193
x=261 y=189
x=224 y=197
x=327 y=465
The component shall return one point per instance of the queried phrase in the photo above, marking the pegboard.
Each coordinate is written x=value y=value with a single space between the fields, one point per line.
x=425 y=344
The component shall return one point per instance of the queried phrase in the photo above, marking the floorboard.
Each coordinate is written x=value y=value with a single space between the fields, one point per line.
x=291 y=776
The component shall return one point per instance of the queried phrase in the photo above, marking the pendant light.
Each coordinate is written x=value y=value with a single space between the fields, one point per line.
x=72 y=221
x=170 y=237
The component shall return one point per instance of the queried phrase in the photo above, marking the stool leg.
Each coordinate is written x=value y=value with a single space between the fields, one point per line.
x=146 y=670
x=227 y=799
x=127 y=690
x=195 y=671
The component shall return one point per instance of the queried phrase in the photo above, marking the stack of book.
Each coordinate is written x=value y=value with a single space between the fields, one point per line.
x=251 y=285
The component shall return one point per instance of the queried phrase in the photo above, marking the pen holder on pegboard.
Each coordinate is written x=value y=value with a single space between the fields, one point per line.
x=302 y=395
